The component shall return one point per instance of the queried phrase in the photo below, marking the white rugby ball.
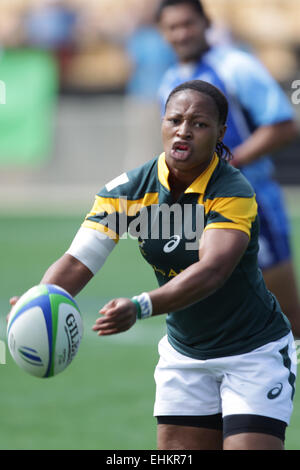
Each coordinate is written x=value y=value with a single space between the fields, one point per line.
x=44 y=330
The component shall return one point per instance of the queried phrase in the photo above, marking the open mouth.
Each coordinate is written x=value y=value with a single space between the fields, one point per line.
x=181 y=151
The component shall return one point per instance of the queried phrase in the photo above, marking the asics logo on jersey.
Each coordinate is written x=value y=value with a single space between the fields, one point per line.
x=172 y=244
x=275 y=391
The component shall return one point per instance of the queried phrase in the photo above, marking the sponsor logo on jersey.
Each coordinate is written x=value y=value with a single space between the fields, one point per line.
x=172 y=244
x=275 y=391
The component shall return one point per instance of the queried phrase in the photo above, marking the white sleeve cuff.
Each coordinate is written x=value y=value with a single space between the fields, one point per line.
x=91 y=248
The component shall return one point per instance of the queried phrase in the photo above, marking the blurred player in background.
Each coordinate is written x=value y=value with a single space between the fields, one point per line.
x=260 y=121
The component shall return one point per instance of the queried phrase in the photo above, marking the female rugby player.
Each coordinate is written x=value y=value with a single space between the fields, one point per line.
x=225 y=378
x=260 y=121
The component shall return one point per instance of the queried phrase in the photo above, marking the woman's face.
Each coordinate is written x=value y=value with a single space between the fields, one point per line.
x=190 y=131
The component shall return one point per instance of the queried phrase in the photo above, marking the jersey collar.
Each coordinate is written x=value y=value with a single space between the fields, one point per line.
x=198 y=185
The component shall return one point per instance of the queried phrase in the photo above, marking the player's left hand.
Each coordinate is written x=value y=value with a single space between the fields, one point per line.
x=240 y=158
x=117 y=316
x=236 y=161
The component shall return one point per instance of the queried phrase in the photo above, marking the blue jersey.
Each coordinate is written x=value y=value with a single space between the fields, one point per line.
x=254 y=97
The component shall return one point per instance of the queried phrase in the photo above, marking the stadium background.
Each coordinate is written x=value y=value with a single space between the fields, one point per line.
x=74 y=117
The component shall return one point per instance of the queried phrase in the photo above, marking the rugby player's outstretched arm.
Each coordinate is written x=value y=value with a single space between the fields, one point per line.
x=220 y=252
x=68 y=273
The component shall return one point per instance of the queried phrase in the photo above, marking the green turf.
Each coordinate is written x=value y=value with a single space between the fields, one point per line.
x=104 y=399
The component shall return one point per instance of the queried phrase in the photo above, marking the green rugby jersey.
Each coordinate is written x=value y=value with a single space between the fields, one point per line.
x=242 y=315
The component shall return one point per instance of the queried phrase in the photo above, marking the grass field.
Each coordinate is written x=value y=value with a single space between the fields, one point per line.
x=104 y=399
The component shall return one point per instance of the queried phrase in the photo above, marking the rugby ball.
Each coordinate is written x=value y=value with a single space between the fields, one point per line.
x=44 y=330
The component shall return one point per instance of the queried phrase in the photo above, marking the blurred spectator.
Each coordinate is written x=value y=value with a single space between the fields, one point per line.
x=149 y=53
x=50 y=24
x=150 y=56
x=11 y=28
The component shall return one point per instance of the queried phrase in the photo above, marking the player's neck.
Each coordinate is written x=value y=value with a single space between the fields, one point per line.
x=196 y=58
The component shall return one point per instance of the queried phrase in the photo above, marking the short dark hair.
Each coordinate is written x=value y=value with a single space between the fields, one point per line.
x=208 y=89
x=220 y=101
x=196 y=4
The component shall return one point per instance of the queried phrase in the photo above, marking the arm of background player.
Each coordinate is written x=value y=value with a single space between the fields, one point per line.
x=267 y=106
x=220 y=252
x=265 y=140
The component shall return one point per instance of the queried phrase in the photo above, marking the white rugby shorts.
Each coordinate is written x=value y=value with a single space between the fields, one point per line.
x=260 y=382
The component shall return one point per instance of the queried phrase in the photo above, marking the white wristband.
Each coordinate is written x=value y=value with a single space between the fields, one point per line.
x=145 y=304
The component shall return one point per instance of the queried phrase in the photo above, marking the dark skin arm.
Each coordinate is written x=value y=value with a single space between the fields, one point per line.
x=68 y=273
x=263 y=141
x=220 y=251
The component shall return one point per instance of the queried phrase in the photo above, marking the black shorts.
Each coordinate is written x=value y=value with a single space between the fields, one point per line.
x=231 y=424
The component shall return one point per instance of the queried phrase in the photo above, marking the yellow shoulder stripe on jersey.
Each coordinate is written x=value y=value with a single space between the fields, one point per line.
x=240 y=212
x=122 y=205
x=101 y=228
x=116 y=205
x=228 y=225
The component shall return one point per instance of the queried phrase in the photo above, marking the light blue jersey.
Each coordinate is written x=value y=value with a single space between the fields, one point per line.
x=255 y=99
